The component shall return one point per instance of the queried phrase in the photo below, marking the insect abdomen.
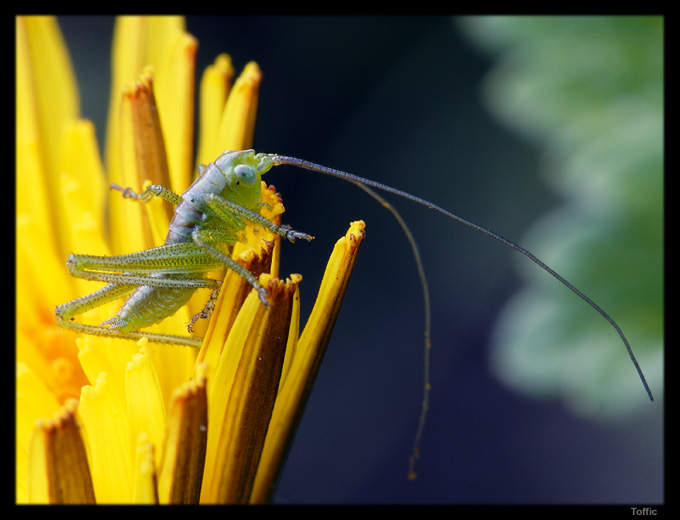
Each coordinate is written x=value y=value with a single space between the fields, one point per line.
x=149 y=305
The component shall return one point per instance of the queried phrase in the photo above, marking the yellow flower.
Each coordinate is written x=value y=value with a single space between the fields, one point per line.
x=113 y=421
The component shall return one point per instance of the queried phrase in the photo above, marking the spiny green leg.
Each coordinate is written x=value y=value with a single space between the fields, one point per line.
x=226 y=209
x=69 y=310
x=166 y=339
x=204 y=237
x=125 y=273
x=154 y=190
x=137 y=268
x=66 y=312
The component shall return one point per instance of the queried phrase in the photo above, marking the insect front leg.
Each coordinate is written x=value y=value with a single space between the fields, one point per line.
x=203 y=238
x=233 y=215
x=154 y=190
x=226 y=210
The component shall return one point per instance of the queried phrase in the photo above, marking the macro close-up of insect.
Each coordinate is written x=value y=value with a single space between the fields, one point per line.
x=540 y=376
x=212 y=211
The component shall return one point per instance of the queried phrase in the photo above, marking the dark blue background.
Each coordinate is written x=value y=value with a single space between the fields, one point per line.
x=397 y=99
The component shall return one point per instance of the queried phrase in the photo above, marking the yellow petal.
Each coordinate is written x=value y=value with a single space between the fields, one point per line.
x=145 y=473
x=305 y=364
x=181 y=473
x=243 y=394
x=104 y=427
x=233 y=293
x=161 y=33
x=127 y=63
x=40 y=271
x=333 y=287
x=52 y=79
x=138 y=41
x=215 y=86
x=142 y=158
x=175 y=93
x=145 y=408
x=82 y=196
x=58 y=467
x=238 y=121
x=293 y=335
x=33 y=401
x=47 y=100
x=31 y=168
x=97 y=354
x=174 y=364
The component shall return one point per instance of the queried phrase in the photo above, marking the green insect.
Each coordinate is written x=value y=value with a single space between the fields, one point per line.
x=208 y=219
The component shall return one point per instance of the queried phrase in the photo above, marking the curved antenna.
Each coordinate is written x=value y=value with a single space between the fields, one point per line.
x=427 y=386
x=301 y=163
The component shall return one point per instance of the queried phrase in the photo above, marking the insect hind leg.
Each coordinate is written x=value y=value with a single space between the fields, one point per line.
x=66 y=312
x=98 y=330
x=139 y=268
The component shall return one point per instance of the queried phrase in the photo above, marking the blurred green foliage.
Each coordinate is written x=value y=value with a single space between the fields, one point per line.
x=589 y=92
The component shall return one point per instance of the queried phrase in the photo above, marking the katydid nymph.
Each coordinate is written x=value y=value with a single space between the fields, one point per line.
x=209 y=216
x=161 y=280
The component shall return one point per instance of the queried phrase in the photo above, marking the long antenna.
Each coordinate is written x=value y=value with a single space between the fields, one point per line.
x=366 y=184
x=427 y=385
x=307 y=165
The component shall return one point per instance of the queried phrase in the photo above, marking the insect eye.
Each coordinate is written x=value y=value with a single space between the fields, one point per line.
x=245 y=174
